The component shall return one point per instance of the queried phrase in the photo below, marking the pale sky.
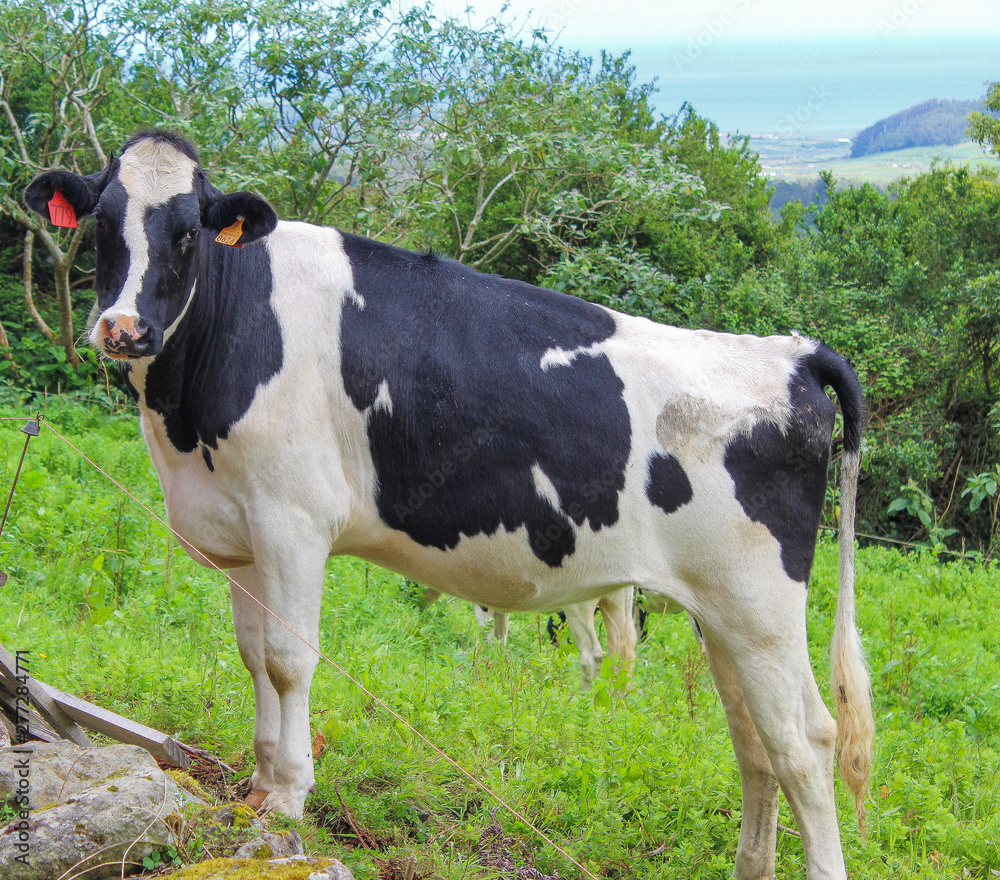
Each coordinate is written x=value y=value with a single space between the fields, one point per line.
x=632 y=21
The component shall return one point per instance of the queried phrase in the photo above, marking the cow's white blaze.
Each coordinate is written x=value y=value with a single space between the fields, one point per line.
x=152 y=173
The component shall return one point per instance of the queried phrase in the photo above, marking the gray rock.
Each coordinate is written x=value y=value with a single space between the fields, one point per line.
x=271 y=845
x=90 y=809
x=59 y=771
x=336 y=871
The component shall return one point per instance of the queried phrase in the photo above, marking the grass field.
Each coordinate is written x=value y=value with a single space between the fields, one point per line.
x=110 y=608
x=800 y=159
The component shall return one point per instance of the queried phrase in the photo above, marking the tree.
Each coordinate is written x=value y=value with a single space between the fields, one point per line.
x=56 y=74
x=984 y=127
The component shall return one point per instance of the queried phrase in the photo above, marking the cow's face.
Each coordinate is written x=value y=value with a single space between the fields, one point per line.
x=157 y=216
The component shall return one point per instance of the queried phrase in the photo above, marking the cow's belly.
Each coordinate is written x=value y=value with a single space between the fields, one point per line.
x=685 y=556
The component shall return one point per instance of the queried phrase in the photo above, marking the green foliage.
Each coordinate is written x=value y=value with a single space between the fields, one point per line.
x=161 y=858
x=984 y=127
x=507 y=153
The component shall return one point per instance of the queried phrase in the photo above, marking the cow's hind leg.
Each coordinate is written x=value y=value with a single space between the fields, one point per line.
x=755 y=855
x=616 y=609
x=248 y=619
x=763 y=636
x=580 y=619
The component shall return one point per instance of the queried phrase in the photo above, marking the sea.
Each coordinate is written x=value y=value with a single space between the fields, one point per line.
x=832 y=86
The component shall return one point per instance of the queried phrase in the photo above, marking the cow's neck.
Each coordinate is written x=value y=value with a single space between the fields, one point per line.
x=226 y=344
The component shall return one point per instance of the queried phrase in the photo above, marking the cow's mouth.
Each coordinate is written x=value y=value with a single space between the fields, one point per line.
x=120 y=350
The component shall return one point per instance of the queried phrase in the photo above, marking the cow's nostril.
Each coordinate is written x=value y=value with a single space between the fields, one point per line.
x=109 y=323
x=141 y=328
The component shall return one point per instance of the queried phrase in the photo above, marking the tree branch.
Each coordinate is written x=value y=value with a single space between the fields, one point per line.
x=29 y=300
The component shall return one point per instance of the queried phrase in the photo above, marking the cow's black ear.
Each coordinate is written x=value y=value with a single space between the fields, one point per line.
x=81 y=192
x=220 y=211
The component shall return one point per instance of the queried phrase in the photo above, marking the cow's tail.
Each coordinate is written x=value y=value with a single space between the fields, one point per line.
x=850 y=681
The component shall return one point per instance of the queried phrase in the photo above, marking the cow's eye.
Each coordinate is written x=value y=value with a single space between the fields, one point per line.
x=99 y=220
x=192 y=234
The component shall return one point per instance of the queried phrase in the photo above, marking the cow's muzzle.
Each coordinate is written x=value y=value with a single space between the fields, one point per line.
x=126 y=337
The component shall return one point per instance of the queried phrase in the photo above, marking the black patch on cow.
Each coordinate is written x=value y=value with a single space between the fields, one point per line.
x=470 y=410
x=206 y=454
x=555 y=626
x=227 y=344
x=780 y=477
x=113 y=257
x=667 y=486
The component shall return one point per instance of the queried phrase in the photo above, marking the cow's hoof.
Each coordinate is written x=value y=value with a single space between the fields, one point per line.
x=285 y=801
x=256 y=798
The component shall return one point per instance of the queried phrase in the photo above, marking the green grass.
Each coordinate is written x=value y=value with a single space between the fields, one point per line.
x=801 y=160
x=111 y=609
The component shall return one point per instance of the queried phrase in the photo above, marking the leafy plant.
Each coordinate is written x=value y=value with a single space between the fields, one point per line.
x=918 y=504
x=159 y=858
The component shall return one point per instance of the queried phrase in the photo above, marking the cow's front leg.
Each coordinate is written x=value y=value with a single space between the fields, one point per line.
x=288 y=579
x=248 y=620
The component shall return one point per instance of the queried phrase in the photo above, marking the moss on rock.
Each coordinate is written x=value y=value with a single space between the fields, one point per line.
x=252 y=869
x=190 y=785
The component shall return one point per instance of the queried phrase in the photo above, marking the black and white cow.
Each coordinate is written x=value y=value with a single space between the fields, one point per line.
x=319 y=393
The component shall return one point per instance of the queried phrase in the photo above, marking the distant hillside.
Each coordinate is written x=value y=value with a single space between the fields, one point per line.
x=931 y=123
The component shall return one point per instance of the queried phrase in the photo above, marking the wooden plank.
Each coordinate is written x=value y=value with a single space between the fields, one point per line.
x=37 y=726
x=61 y=722
x=158 y=744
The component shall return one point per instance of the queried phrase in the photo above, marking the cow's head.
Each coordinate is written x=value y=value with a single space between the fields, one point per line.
x=156 y=216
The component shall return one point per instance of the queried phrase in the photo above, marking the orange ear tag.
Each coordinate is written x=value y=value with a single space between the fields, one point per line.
x=61 y=212
x=231 y=234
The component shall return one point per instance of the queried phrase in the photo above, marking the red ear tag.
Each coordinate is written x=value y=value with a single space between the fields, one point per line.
x=231 y=234
x=61 y=212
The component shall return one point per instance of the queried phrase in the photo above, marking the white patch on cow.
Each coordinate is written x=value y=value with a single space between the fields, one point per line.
x=697 y=390
x=561 y=357
x=152 y=173
x=383 y=400
x=544 y=487
x=357 y=298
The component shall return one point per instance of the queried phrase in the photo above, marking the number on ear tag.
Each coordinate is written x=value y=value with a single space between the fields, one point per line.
x=231 y=234
x=61 y=212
